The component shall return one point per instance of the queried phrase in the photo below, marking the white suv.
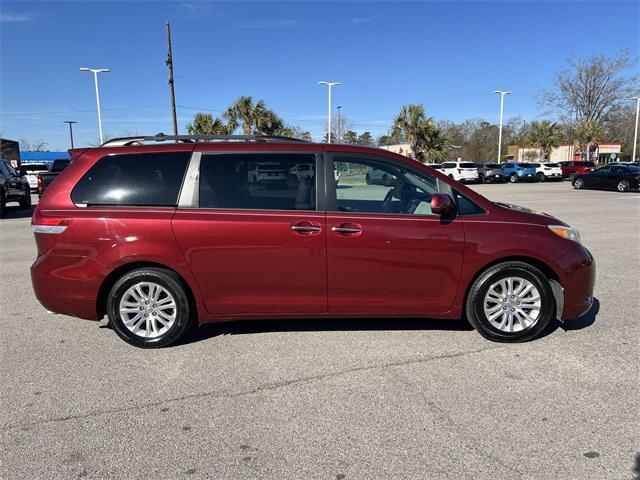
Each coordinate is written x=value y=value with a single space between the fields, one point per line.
x=547 y=171
x=33 y=169
x=461 y=171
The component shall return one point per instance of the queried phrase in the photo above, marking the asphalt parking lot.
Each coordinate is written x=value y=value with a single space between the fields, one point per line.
x=355 y=399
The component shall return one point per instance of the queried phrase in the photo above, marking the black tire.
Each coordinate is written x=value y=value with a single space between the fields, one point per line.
x=623 y=186
x=540 y=177
x=578 y=184
x=513 y=178
x=480 y=178
x=451 y=177
x=3 y=205
x=185 y=317
x=26 y=201
x=572 y=176
x=475 y=300
x=367 y=179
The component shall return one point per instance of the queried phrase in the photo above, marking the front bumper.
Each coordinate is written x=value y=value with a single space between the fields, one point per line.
x=578 y=279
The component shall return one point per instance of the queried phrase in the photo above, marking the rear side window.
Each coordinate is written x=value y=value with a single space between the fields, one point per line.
x=146 y=179
x=263 y=181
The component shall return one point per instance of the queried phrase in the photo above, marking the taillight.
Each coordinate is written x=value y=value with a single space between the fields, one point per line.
x=51 y=225
x=39 y=183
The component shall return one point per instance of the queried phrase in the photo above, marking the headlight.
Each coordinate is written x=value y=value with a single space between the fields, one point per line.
x=565 y=232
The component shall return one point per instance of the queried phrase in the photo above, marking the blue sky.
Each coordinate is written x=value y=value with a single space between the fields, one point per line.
x=449 y=56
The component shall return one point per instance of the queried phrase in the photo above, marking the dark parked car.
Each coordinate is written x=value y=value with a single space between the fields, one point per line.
x=490 y=173
x=573 y=168
x=45 y=179
x=610 y=177
x=14 y=187
x=163 y=236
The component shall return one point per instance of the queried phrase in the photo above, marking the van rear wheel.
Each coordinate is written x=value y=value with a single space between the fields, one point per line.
x=510 y=302
x=149 y=308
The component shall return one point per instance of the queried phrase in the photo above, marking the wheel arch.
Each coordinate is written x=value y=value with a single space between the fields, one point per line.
x=115 y=274
x=541 y=265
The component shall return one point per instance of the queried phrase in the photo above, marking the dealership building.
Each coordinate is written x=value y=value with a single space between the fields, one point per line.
x=602 y=153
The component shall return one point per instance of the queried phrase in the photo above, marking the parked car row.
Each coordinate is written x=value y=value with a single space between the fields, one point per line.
x=513 y=172
x=621 y=176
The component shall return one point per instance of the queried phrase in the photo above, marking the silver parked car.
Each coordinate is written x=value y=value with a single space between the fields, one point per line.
x=490 y=173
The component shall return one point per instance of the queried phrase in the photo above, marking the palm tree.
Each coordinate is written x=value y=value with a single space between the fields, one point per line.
x=588 y=132
x=246 y=114
x=205 y=124
x=546 y=135
x=427 y=142
x=410 y=123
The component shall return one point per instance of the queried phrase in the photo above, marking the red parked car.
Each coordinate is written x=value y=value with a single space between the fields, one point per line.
x=571 y=169
x=163 y=236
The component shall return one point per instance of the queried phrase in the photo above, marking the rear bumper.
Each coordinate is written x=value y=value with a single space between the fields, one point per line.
x=578 y=280
x=67 y=284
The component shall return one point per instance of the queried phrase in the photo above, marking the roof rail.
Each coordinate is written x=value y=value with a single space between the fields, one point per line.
x=161 y=137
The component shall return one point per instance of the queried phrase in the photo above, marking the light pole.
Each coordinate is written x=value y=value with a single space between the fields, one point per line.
x=339 y=107
x=70 y=122
x=502 y=94
x=329 y=84
x=95 y=72
x=635 y=135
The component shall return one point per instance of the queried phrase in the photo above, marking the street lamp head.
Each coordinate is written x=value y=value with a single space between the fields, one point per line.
x=69 y=121
x=84 y=69
x=502 y=92
x=329 y=84
x=103 y=70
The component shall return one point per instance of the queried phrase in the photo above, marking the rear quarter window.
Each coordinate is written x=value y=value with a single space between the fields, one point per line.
x=147 y=179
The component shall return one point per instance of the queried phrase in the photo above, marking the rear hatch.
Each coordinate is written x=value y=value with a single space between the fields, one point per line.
x=468 y=170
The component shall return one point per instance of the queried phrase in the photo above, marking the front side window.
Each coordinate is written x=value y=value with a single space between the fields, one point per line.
x=372 y=186
x=258 y=181
x=145 y=179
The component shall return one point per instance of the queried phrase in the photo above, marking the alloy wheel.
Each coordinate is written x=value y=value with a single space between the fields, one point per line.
x=623 y=186
x=148 y=310
x=579 y=183
x=512 y=304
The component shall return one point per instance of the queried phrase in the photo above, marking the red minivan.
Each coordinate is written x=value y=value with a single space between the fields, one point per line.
x=162 y=236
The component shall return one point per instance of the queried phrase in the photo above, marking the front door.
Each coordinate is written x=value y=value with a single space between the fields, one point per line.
x=251 y=234
x=387 y=253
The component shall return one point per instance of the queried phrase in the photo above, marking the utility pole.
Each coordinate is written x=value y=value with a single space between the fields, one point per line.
x=169 y=63
x=635 y=135
x=502 y=94
x=329 y=84
x=339 y=107
x=70 y=122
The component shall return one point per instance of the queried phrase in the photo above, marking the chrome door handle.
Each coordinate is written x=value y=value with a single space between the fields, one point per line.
x=346 y=229
x=305 y=228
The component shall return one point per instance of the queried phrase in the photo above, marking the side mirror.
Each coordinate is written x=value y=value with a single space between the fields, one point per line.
x=441 y=203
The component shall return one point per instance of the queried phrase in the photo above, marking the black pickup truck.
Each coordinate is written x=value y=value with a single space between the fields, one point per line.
x=45 y=179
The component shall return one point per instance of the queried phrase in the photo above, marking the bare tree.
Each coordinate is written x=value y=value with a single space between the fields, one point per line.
x=592 y=87
x=37 y=145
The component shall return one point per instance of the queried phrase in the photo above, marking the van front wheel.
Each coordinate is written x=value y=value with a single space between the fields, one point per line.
x=510 y=302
